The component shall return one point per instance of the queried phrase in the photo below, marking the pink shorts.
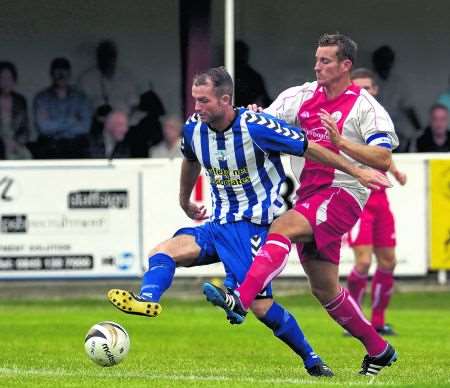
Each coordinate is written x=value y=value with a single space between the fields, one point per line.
x=376 y=226
x=331 y=212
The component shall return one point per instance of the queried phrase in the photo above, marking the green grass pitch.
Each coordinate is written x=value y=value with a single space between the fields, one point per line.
x=191 y=344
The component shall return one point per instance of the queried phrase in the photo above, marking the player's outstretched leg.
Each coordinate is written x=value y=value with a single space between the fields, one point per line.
x=268 y=263
x=130 y=303
x=341 y=307
x=286 y=328
x=227 y=300
x=156 y=280
x=372 y=365
x=347 y=313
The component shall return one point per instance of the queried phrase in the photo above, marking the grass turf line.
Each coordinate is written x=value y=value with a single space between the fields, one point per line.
x=191 y=344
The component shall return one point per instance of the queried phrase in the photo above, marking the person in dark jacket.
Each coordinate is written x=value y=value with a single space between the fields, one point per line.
x=113 y=142
x=436 y=137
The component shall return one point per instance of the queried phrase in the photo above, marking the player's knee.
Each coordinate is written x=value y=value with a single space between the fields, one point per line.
x=260 y=307
x=319 y=293
x=166 y=248
x=363 y=265
x=324 y=293
x=385 y=258
x=363 y=260
x=157 y=249
x=387 y=263
x=278 y=226
x=160 y=248
x=293 y=225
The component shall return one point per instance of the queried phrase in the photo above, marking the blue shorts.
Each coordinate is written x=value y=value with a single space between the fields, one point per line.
x=234 y=244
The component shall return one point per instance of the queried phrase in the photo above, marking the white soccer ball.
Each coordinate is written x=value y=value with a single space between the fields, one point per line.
x=107 y=343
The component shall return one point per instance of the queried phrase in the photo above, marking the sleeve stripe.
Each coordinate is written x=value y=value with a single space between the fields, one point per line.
x=381 y=140
x=385 y=145
x=274 y=125
x=376 y=136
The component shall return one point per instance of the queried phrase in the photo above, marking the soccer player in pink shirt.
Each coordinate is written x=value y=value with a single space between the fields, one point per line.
x=374 y=233
x=346 y=119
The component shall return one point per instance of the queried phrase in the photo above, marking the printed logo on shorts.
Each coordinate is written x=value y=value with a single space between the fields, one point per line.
x=255 y=242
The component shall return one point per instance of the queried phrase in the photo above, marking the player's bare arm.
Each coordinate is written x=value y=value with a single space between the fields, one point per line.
x=367 y=177
x=190 y=171
x=375 y=157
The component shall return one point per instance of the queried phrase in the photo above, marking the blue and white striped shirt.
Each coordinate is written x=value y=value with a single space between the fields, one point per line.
x=243 y=163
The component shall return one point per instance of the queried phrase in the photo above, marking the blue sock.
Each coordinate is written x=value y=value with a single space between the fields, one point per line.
x=158 y=278
x=286 y=328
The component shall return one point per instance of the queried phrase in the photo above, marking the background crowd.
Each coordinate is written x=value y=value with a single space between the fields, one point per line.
x=101 y=114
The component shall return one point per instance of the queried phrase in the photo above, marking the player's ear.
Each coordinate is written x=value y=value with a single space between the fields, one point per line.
x=347 y=65
x=376 y=89
x=226 y=99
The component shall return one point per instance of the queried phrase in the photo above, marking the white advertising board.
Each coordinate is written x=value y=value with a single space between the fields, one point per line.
x=69 y=222
x=92 y=219
x=409 y=205
x=407 y=202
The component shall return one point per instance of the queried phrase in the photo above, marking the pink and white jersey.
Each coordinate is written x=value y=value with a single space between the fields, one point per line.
x=359 y=117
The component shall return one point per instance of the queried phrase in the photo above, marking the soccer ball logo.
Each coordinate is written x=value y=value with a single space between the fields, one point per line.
x=107 y=343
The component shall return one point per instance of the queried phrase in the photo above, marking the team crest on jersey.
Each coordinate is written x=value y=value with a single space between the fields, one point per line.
x=221 y=155
x=336 y=116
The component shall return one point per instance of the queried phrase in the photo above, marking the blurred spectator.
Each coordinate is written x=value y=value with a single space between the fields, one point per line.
x=148 y=131
x=249 y=84
x=366 y=79
x=62 y=117
x=113 y=142
x=444 y=98
x=109 y=86
x=14 y=124
x=395 y=97
x=170 y=147
x=436 y=137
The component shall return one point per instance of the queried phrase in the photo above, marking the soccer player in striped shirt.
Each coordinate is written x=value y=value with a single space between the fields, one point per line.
x=344 y=118
x=240 y=152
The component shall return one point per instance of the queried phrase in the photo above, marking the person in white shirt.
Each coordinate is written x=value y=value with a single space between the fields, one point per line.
x=170 y=147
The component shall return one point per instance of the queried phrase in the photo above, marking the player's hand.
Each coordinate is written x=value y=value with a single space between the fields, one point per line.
x=372 y=179
x=194 y=211
x=400 y=177
x=330 y=125
x=254 y=108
